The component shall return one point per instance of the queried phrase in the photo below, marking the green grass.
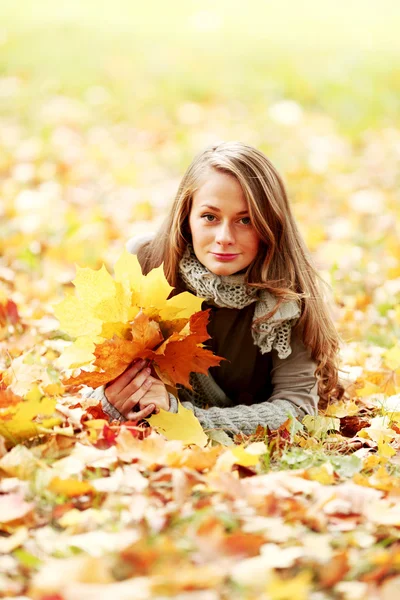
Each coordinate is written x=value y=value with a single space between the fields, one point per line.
x=337 y=58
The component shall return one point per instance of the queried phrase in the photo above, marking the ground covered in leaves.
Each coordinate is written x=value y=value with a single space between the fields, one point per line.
x=92 y=509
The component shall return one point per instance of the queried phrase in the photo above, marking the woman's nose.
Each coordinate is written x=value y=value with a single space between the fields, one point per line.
x=224 y=234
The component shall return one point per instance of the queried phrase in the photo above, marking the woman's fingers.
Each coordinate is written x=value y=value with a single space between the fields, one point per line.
x=139 y=387
x=134 y=385
x=120 y=383
x=141 y=414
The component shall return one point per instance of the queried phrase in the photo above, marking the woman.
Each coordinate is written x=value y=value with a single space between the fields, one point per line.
x=231 y=239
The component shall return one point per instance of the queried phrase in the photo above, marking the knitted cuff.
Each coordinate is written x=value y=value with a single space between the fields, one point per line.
x=173 y=403
x=109 y=409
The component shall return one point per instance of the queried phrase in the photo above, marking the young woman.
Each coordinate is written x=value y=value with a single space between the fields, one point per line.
x=230 y=238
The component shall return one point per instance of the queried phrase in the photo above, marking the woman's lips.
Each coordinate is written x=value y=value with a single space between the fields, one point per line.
x=224 y=257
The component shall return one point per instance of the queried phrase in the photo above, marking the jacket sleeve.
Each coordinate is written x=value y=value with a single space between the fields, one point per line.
x=293 y=378
x=243 y=418
x=294 y=395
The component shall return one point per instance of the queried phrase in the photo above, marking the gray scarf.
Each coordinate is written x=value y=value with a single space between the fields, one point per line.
x=230 y=291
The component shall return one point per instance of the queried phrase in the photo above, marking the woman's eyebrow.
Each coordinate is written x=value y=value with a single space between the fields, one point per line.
x=242 y=212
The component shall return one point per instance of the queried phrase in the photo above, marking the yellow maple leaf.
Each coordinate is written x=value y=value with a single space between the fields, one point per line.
x=98 y=300
x=93 y=286
x=28 y=417
x=184 y=304
x=384 y=448
x=150 y=292
x=80 y=352
x=342 y=409
x=76 y=318
x=319 y=426
x=182 y=425
x=127 y=270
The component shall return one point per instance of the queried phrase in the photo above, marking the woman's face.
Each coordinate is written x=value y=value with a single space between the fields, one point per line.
x=224 y=240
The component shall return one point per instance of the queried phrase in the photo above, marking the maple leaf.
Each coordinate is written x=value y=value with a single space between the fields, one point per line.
x=98 y=300
x=180 y=358
x=182 y=425
x=150 y=292
x=318 y=426
x=113 y=356
x=182 y=353
x=79 y=353
x=28 y=417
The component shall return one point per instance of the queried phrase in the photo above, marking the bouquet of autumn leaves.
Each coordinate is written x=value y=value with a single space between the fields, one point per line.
x=116 y=320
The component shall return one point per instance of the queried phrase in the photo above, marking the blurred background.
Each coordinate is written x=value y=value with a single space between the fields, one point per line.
x=103 y=105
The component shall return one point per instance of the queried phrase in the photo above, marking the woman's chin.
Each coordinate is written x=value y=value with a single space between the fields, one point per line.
x=222 y=269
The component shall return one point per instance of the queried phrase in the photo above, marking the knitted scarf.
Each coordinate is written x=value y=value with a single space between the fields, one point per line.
x=230 y=291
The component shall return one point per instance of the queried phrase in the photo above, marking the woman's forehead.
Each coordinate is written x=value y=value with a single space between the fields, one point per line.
x=219 y=188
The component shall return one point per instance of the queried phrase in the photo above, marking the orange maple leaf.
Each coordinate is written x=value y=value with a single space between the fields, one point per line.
x=198 y=325
x=113 y=356
x=181 y=354
x=176 y=358
x=181 y=357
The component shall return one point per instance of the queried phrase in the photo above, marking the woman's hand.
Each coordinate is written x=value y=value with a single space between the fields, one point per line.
x=126 y=391
x=156 y=395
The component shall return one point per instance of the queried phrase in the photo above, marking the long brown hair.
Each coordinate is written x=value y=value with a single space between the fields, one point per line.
x=284 y=266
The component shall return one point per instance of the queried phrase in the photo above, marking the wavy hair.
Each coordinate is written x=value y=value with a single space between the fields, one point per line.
x=283 y=265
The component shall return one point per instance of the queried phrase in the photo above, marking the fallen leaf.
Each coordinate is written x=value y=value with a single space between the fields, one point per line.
x=70 y=487
x=182 y=425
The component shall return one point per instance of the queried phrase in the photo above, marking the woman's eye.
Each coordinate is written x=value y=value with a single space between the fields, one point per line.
x=209 y=218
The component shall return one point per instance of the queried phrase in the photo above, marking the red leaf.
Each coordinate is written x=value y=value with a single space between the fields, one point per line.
x=9 y=314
